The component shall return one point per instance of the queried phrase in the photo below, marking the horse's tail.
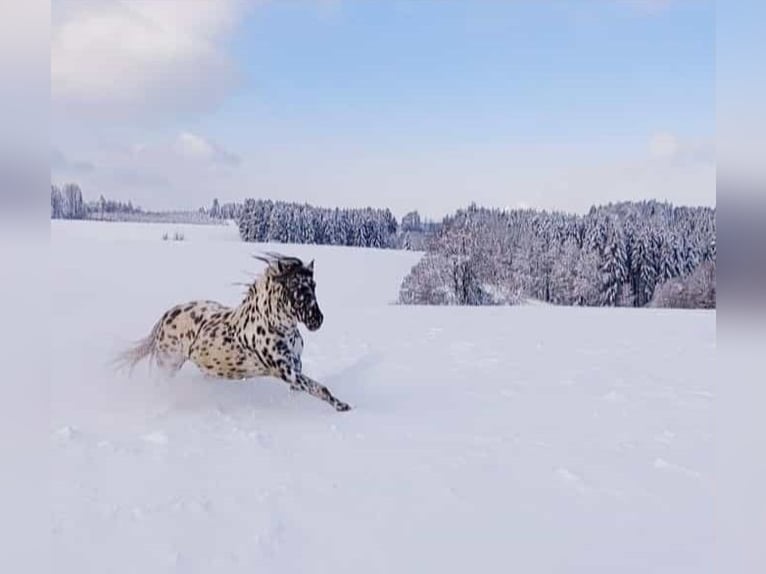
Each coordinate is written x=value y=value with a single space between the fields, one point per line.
x=138 y=351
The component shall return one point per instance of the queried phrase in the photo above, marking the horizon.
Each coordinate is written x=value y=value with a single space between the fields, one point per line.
x=409 y=106
x=424 y=217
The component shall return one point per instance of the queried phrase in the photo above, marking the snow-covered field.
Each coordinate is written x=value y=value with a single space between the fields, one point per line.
x=525 y=439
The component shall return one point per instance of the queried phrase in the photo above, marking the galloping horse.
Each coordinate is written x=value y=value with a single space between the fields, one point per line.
x=258 y=338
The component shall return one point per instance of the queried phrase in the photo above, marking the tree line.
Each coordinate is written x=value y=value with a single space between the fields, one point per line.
x=283 y=222
x=68 y=203
x=264 y=220
x=616 y=255
x=624 y=254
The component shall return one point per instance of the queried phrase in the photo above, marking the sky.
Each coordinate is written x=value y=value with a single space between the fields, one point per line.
x=426 y=105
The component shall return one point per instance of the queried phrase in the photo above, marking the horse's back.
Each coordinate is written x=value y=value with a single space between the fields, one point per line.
x=181 y=324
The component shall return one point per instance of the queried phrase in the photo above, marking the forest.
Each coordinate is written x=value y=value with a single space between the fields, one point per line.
x=627 y=254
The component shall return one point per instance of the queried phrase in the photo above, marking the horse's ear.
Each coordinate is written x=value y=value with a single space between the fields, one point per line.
x=310 y=266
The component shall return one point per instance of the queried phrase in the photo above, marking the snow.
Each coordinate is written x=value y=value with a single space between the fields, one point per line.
x=531 y=439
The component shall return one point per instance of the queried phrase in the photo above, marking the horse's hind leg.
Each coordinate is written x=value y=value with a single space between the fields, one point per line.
x=170 y=363
x=170 y=357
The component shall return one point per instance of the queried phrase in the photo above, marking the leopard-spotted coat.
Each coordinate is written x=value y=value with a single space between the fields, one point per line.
x=258 y=338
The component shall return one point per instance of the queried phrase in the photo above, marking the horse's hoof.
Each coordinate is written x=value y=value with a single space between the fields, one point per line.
x=342 y=407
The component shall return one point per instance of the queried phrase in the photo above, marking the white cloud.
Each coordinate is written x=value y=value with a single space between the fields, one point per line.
x=193 y=146
x=60 y=164
x=196 y=147
x=676 y=168
x=668 y=147
x=663 y=145
x=135 y=56
x=181 y=171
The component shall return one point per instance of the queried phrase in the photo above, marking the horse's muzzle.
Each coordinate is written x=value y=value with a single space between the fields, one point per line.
x=315 y=320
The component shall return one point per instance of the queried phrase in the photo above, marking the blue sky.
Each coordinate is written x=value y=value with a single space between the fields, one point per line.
x=414 y=105
x=486 y=71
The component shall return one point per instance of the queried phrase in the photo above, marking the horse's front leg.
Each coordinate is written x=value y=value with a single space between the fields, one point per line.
x=315 y=389
x=293 y=377
x=300 y=382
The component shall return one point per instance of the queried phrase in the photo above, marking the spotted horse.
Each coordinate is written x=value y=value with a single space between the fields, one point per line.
x=258 y=338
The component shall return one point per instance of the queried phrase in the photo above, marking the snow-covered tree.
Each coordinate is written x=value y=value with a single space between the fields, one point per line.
x=73 y=205
x=57 y=203
x=614 y=266
x=615 y=255
x=693 y=291
x=215 y=209
x=428 y=283
x=279 y=221
x=411 y=222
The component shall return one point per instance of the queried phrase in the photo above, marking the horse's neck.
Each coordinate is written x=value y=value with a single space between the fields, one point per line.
x=263 y=306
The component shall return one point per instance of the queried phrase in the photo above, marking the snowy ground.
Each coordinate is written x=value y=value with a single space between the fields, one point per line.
x=527 y=439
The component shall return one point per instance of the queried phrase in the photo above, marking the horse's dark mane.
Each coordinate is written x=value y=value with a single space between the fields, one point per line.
x=271 y=257
x=280 y=266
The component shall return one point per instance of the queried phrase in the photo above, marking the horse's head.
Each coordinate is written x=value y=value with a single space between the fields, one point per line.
x=298 y=289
